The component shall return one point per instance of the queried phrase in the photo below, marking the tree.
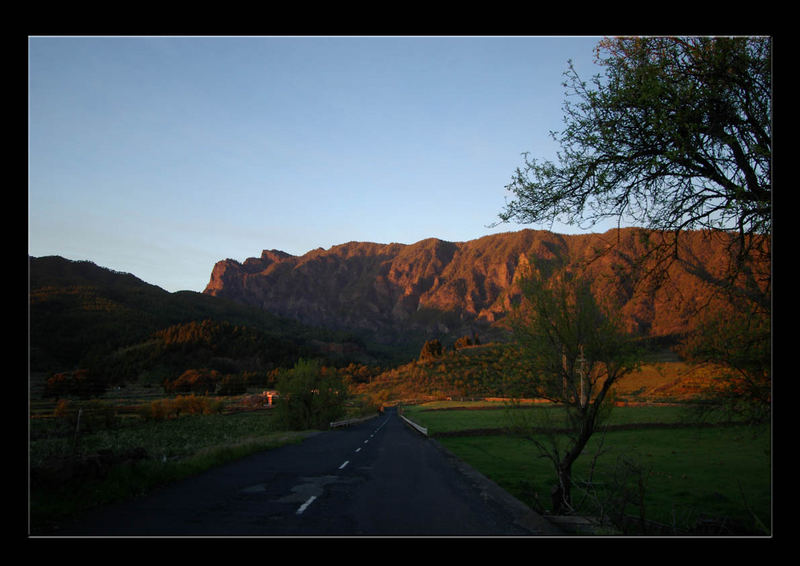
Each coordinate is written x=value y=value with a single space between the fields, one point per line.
x=81 y=383
x=676 y=136
x=310 y=396
x=431 y=350
x=733 y=346
x=574 y=350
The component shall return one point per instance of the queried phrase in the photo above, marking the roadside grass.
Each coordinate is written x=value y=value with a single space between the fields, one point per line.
x=694 y=479
x=453 y=416
x=132 y=458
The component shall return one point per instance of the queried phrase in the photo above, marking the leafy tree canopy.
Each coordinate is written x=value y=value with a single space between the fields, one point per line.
x=675 y=136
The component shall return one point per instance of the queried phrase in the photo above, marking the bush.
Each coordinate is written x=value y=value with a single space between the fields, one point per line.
x=310 y=397
x=79 y=383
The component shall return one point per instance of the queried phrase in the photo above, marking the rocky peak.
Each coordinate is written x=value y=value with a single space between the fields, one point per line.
x=436 y=287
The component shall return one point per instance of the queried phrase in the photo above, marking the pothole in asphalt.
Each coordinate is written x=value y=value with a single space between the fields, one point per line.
x=308 y=487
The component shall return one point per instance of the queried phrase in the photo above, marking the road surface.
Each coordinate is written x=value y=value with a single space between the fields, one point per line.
x=377 y=478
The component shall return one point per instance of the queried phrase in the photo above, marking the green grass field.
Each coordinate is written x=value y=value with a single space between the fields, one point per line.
x=68 y=476
x=443 y=417
x=716 y=477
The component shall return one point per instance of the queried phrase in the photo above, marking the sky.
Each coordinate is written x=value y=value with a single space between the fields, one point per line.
x=160 y=156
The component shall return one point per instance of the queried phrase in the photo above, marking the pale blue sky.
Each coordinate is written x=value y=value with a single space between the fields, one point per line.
x=159 y=156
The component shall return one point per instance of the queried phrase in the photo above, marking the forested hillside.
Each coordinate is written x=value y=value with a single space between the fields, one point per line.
x=118 y=328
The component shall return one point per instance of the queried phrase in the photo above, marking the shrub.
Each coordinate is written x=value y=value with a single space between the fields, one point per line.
x=63 y=409
x=310 y=397
x=78 y=383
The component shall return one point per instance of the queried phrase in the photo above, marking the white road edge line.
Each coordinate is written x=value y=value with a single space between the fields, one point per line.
x=305 y=505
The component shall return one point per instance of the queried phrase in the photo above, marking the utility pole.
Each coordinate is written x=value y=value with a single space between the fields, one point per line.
x=581 y=362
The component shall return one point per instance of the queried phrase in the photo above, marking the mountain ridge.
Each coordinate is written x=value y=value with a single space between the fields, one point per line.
x=439 y=288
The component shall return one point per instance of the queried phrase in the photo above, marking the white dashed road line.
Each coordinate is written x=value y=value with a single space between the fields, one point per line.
x=311 y=499
x=305 y=505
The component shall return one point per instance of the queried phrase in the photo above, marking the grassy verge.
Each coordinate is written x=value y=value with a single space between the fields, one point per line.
x=69 y=475
x=449 y=416
x=680 y=480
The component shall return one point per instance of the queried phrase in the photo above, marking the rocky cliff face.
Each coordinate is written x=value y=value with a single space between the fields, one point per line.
x=439 y=288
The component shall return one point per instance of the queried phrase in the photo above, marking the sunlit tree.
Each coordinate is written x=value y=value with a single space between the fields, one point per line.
x=732 y=347
x=432 y=349
x=675 y=135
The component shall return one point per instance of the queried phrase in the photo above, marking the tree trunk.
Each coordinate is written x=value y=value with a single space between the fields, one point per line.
x=562 y=493
x=565 y=466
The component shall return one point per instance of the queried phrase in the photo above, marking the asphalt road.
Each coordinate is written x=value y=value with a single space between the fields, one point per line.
x=377 y=478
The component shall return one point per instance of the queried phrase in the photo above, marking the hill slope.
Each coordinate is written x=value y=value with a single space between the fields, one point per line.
x=82 y=314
